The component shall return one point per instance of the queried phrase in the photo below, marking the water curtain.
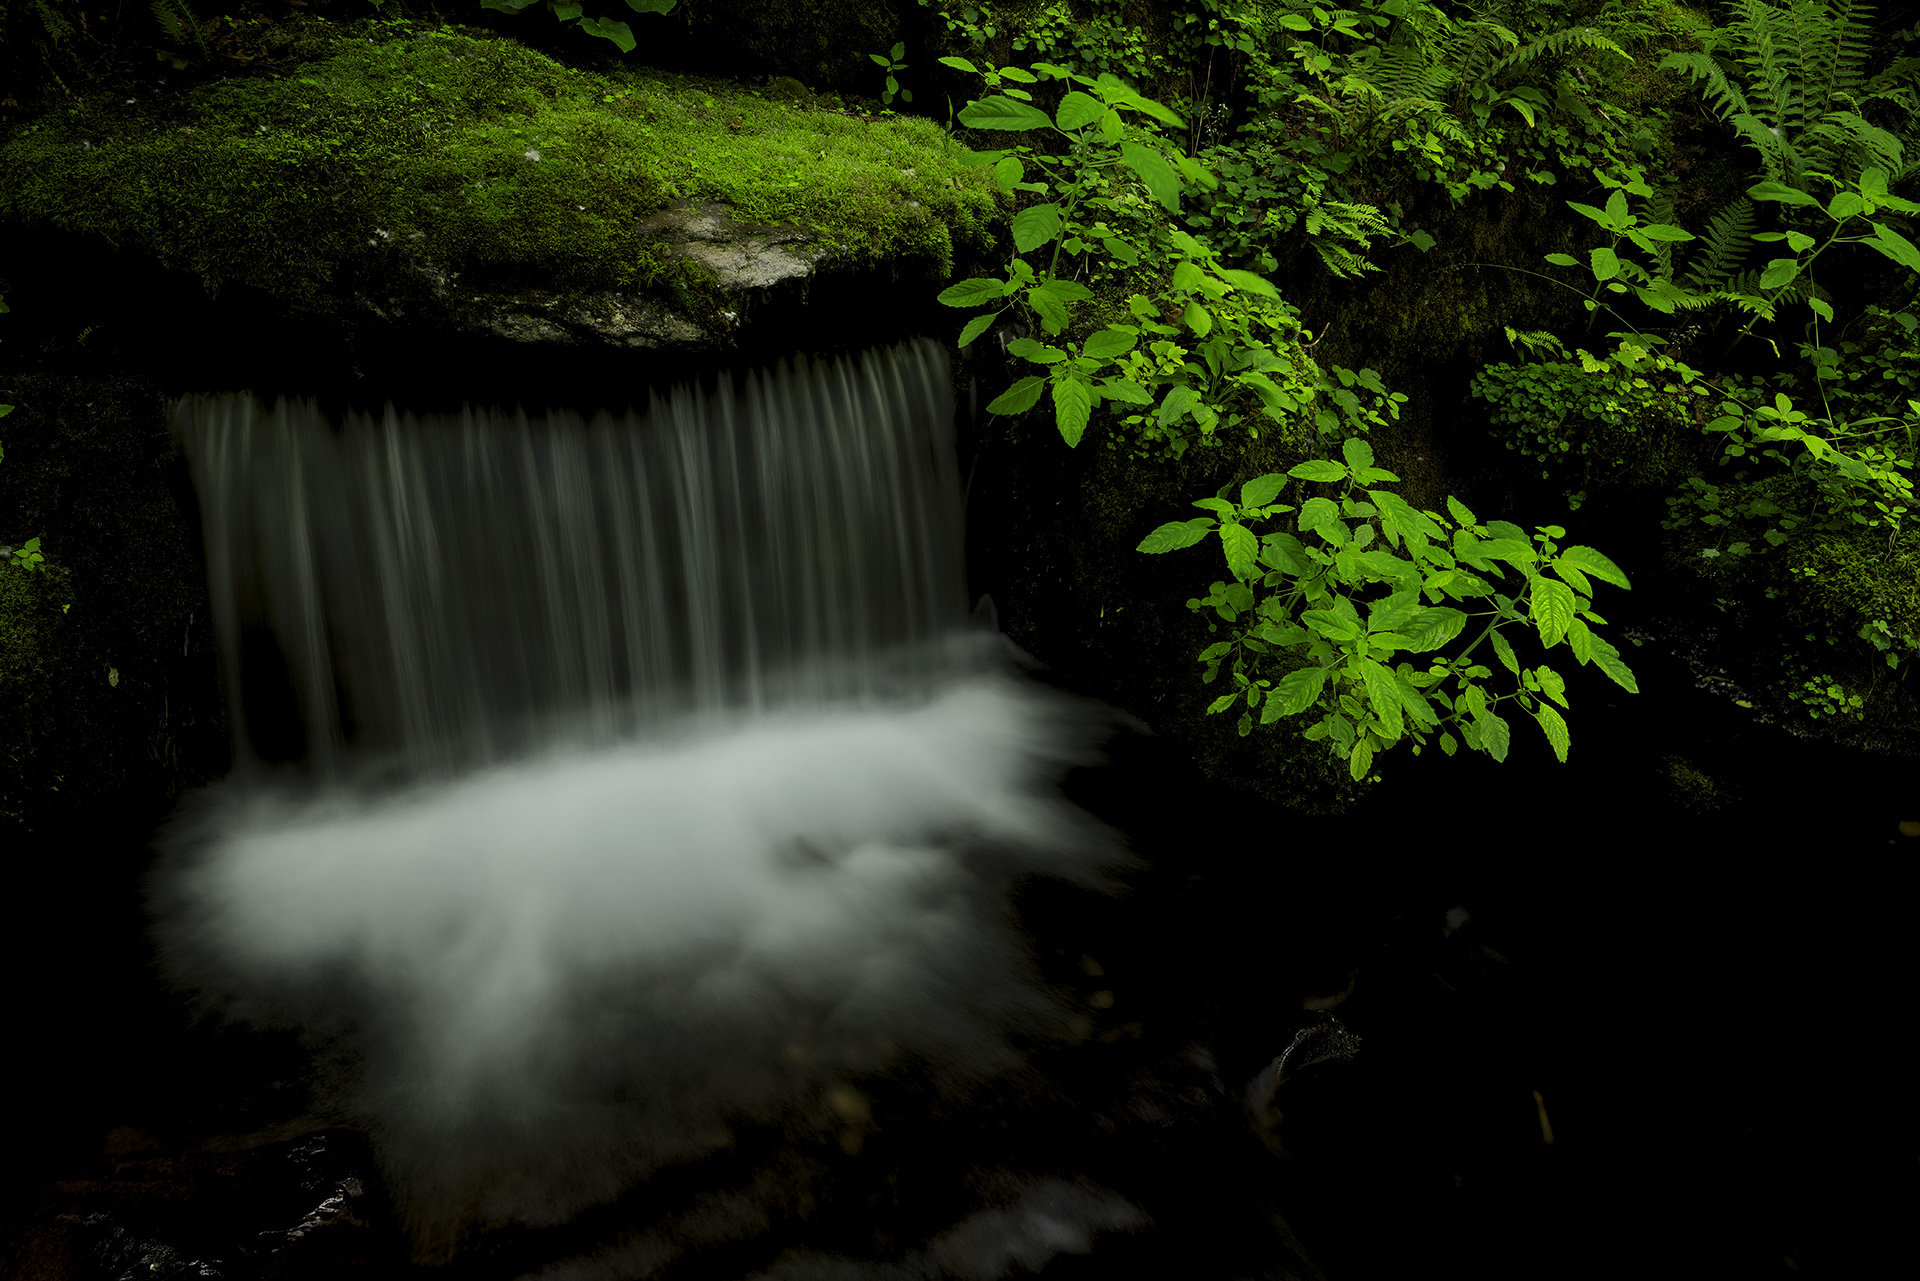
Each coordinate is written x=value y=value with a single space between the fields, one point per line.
x=436 y=592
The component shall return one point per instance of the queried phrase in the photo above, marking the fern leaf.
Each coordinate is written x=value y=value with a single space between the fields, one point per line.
x=1723 y=248
x=1721 y=92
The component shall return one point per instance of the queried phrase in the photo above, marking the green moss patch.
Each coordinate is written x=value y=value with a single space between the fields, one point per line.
x=490 y=162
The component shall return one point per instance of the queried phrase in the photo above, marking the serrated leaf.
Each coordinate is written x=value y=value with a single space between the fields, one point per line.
x=1555 y=728
x=1078 y=110
x=1552 y=610
x=1551 y=684
x=1197 y=318
x=1107 y=343
x=1504 y=651
x=1222 y=703
x=1608 y=660
x=1159 y=177
x=972 y=293
x=1008 y=173
x=1448 y=744
x=1318 y=469
x=1589 y=561
x=1580 y=641
x=1433 y=627
x=1020 y=397
x=1176 y=534
x=1298 y=690
x=1895 y=246
x=1362 y=759
x=1316 y=512
x=1262 y=490
x=977 y=326
x=1781 y=192
x=1358 y=453
x=1779 y=271
x=1003 y=114
x=1126 y=392
x=1241 y=547
x=1563 y=260
x=1049 y=306
x=1460 y=512
x=1495 y=735
x=1285 y=553
x=1035 y=225
x=1383 y=694
x=1072 y=406
x=1252 y=283
x=1604 y=262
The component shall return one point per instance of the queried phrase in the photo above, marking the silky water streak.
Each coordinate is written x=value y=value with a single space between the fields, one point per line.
x=645 y=781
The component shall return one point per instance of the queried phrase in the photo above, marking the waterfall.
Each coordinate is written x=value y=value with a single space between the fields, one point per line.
x=439 y=592
x=700 y=802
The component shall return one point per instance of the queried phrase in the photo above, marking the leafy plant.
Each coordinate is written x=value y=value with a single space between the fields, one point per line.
x=1315 y=616
x=574 y=11
x=891 y=62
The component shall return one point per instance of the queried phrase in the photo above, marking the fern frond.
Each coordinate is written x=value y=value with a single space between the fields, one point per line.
x=1843 y=135
x=1778 y=157
x=1721 y=92
x=1560 y=42
x=180 y=25
x=1480 y=47
x=1724 y=246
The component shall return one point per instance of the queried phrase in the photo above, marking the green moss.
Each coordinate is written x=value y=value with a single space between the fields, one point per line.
x=1692 y=789
x=32 y=618
x=486 y=159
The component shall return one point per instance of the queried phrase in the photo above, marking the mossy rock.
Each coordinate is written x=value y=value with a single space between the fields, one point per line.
x=460 y=180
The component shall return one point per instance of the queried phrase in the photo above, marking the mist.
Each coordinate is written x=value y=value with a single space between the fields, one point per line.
x=539 y=983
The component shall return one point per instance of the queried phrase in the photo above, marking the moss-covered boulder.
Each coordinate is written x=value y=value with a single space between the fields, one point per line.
x=459 y=181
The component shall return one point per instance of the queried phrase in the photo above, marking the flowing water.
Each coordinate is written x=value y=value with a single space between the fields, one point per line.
x=617 y=782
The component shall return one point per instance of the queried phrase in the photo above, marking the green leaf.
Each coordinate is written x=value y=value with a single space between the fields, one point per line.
x=1159 y=177
x=1362 y=759
x=1607 y=659
x=1449 y=744
x=1821 y=309
x=651 y=6
x=1046 y=301
x=1198 y=319
x=1298 y=690
x=1078 y=110
x=1383 y=693
x=1580 y=641
x=1515 y=551
x=1433 y=627
x=1285 y=553
x=1895 y=246
x=1035 y=226
x=1318 y=469
x=1552 y=609
x=1129 y=393
x=1020 y=397
x=1108 y=343
x=1241 y=547
x=1008 y=172
x=1495 y=736
x=977 y=326
x=619 y=32
x=1247 y=280
x=972 y=293
x=1551 y=684
x=959 y=64
x=1781 y=192
x=1460 y=512
x=1563 y=260
x=1555 y=727
x=1038 y=352
x=1779 y=271
x=1589 y=561
x=1422 y=241
x=1003 y=114
x=1358 y=453
x=1317 y=512
x=1072 y=406
x=1606 y=264
x=1176 y=534
x=1504 y=651
x=1262 y=490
